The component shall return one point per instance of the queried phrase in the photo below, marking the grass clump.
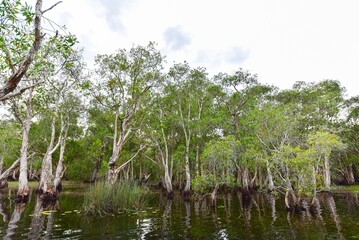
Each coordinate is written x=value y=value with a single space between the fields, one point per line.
x=104 y=198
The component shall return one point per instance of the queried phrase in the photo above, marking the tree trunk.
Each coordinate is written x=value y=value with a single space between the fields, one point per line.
x=245 y=179
x=168 y=182
x=327 y=181
x=60 y=168
x=23 y=190
x=167 y=167
x=198 y=163
x=290 y=198
x=270 y=179
x=349 y=174
x=59 y=173
x=46 y=186
x=95 y=171
x=117 y=148
x=187 y=187
x=47 y=177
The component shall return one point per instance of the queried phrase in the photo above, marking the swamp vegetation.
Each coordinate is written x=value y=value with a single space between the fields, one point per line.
x=216 y=150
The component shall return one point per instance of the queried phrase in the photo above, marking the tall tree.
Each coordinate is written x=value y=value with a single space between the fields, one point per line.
x=126 y=80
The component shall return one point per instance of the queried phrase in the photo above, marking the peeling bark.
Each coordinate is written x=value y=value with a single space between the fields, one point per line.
x=23 y=190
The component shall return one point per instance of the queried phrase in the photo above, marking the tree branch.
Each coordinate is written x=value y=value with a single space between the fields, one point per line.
x=51 y=7
x=124 y=164
x=19 y=91
x=16 y=77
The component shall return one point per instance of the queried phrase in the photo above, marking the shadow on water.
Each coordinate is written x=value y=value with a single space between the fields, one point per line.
x=235 y=216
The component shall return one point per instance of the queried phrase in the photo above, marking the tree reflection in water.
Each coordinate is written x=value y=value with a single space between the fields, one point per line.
x=262 y=216
x=15 y=217
x=41 y=212
x=333 y=210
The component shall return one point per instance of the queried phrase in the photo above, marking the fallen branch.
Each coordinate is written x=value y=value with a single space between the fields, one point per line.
x=13 y=166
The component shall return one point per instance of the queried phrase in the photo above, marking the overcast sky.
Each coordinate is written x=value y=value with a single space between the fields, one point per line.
x=282 y=41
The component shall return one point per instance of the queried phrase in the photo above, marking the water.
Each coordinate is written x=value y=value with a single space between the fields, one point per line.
x=263 y=218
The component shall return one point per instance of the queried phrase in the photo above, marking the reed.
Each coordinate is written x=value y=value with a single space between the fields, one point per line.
x=103 y=198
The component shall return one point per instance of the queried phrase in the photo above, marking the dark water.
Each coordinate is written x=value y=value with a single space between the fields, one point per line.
x=263 y=218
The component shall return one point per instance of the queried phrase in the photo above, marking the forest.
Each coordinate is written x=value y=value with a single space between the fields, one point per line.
x=133 y=119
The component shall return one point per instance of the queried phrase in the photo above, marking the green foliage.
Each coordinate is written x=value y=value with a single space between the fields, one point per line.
x=10 y=143
x=103 y=198
x=204 y=183
x=324 y=142
x=219 y=155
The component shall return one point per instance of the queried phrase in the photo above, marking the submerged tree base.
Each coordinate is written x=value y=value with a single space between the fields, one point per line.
x=22 y=198
x=187 y=195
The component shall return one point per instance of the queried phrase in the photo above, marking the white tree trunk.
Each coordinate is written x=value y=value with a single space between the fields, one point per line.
x=47 y=177
x=245 y=179
x=111 y=174
x=60 y=167
x=187 y=169
x=23 y=190
x=326 y=170
x=197 y=161
x=117 y=148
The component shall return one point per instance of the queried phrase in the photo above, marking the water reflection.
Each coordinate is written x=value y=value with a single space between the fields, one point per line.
x=42 y=211
x=15 y=217
x=271 y=200
x=333 y=211
x=236 y=216
x=3 y=210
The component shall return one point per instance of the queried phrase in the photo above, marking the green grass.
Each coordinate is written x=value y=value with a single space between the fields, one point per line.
x=65 y=184
x=103 y=198
x=352 y=188
x=15 y=184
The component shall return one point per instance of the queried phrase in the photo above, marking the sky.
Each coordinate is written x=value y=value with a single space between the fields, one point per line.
x=282 y=41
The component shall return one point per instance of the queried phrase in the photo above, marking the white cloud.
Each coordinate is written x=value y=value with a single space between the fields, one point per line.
x=175 y=38
x=283 y=41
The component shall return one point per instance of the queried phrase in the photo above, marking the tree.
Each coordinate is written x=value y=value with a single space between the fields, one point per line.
x=323 y=143
x=162 y=134
x=126 y=80
x=59 y=102
x=243 y=94
x=218 y=163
